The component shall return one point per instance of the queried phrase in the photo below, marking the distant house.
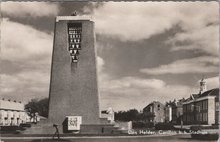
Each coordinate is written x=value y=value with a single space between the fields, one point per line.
x=179 y=111
x=202 y=108
x=154 y=112
x=168 y=112
x=109 y=115
x=12 y=113
x=174 y=111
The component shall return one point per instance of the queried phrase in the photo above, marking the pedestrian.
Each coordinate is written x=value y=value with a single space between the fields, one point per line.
x=56 y=134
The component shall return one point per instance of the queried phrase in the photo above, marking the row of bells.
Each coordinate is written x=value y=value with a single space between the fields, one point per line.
x=74 y=54
x=74 y=35
x=74 y=39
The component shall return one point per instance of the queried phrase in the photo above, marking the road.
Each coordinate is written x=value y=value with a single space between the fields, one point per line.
x=176 y=138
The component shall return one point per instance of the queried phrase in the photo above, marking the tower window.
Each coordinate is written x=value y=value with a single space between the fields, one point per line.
x=74 y=38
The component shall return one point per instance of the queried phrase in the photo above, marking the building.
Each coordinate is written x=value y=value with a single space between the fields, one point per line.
x=168 y=113
x=74 y=94
x=202 y=108
x=108 y=114
x=73 y=86
x=179 y=111
x=154 y=112
x=12 y=113
x=120 y=126
x=174 y=111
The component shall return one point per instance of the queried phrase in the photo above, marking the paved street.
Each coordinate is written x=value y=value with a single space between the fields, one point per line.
x=176 y=138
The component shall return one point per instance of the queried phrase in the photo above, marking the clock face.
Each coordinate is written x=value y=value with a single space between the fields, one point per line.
x=74 y=38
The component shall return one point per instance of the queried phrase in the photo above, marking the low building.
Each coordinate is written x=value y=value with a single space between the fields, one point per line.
x=108 y=114
x=12 y=113
x=174 y=111
x=202 y=108
x=179 y=111
x=168 y=113
x=154 y=112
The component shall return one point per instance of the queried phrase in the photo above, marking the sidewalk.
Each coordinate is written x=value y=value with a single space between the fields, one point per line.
x=86 y=137
x=188 y=126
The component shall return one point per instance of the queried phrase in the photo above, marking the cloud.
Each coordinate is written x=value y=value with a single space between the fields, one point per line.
x=24 y=86
x=136 y=21
x=26 y=57
x=33 y=9
x=132 y=21
x=132 y=82
x=133 y=92
x=200 y=29
x=203 y=38
x=212 y=82
x=203 y=64
x=22 y=42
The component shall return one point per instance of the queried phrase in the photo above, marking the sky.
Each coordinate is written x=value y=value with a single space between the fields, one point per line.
x=147 y=51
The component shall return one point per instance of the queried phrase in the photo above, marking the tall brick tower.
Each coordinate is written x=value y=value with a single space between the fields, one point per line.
x=73 y=85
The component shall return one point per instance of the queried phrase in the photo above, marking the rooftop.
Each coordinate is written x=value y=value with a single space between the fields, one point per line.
x=58 y=18
x=212 y=92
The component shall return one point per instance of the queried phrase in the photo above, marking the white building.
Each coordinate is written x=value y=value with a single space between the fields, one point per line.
x=109 y=115
x=12 y=113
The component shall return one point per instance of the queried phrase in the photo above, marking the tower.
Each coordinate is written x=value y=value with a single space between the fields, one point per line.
x=203 y=86
x=73 y=84
x=74 y=95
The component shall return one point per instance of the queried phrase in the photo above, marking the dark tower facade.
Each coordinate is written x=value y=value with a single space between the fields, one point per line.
x=74 y=83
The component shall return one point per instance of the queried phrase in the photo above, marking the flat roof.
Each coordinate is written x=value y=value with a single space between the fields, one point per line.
x=11 y=105
x=58 y=18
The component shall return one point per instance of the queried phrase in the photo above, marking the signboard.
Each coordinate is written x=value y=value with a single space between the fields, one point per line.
x=74 y=122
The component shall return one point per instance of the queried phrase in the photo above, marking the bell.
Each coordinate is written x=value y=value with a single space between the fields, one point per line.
x=74 y=57
x=74 y=52
x=75 y=61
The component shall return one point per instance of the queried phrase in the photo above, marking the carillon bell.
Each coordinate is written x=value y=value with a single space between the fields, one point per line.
x=74 y=58
x=74 y=52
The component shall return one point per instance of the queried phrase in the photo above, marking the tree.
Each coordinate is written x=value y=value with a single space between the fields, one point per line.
x=129 y=115
x=38 y=106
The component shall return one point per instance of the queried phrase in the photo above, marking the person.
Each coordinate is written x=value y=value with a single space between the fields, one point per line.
x=57 y=131
x=74 y=13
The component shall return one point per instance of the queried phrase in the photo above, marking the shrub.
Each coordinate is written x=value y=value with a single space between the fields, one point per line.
x=199 y=127
x=142 y=124
x=9 y=128
x=196 y=128
x=164 y=126
x=28 y=125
